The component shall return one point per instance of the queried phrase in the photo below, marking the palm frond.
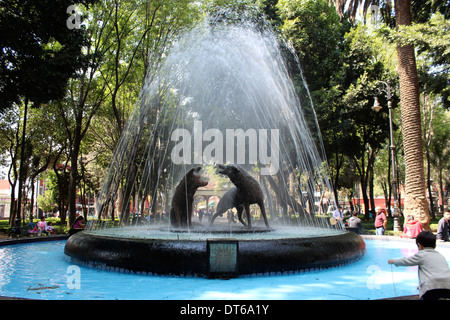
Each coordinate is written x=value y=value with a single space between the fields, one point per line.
x=351 y=7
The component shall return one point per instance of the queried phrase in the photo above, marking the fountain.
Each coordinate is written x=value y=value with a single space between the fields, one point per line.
x=223 y=95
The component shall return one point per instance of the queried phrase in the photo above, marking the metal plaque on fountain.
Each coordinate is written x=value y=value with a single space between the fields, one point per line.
x=222 y=258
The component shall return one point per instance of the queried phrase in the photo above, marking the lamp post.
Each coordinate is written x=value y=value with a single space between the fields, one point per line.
x=377 y=107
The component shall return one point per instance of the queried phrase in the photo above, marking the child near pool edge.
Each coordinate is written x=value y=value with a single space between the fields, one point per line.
x=434 y=273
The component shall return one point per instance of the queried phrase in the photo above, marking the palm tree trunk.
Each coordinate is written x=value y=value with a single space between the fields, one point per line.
x=416 y=202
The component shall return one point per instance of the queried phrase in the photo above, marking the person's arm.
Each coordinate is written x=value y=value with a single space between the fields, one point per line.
x=413 y=260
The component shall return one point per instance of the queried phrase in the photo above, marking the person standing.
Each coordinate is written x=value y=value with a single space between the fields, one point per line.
x=443 y=227
x=380 y=221
x=434 y=274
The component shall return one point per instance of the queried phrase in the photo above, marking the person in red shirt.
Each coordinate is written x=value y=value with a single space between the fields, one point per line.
x=411 y=228
x=380 y=221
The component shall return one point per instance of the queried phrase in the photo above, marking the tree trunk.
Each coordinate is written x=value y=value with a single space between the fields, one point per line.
x=371 y=190
x=21 y=166
x=367 y=209
x=442 y=197
x=74 y=174
x=429 y=185
x=32 y=198
x=416 y=202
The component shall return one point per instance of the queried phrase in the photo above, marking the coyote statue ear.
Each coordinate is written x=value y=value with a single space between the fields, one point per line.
x=194 y=170
x=191 y=171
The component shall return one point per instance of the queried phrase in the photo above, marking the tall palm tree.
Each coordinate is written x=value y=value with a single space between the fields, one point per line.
x=416 y=202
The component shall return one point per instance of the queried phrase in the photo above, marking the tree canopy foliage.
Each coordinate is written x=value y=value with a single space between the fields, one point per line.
x=39 y=53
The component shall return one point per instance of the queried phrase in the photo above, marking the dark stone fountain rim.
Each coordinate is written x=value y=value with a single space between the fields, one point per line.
x=192 y=258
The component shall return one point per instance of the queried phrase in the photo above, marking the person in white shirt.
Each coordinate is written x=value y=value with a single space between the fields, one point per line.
x=434 y=274
x=338 y=215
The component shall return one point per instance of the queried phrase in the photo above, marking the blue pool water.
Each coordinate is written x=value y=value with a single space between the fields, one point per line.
x=42 y=271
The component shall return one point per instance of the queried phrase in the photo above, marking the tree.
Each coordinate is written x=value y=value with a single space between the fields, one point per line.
x=38 y=56
x=85 y=93
x=415 y=199
x=440 y=151
x=45 y=201
x=432 y=40
x=371 y=130
x=125 y=41
x=317 y=36
x=10 y=141
x=341 y=66
x=142 y=35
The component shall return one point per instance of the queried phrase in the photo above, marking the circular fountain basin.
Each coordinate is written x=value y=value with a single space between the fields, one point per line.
x=226 y=252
